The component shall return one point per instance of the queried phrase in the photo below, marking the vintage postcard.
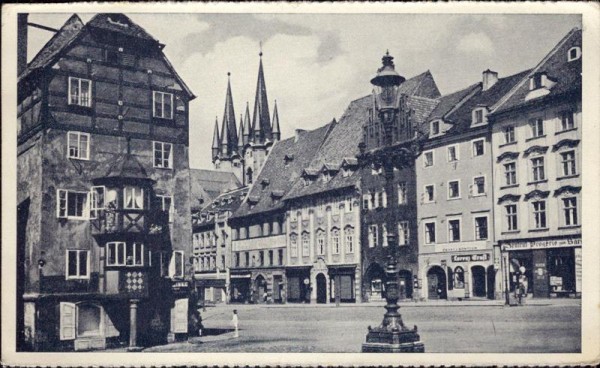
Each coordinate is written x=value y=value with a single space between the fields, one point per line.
x=300 y=184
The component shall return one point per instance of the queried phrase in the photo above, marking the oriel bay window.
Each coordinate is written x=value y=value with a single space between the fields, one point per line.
x=162 y=105
x=133 y=198
x=124 y=254
x=78 y=264
x=80 y=92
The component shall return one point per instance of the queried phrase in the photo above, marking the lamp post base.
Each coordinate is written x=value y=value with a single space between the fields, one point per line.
x=395 y=341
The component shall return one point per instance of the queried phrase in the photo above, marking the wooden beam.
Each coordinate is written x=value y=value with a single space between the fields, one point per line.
x=45 y=28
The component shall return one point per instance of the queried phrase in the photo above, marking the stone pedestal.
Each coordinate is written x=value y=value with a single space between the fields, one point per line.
x=133 y=326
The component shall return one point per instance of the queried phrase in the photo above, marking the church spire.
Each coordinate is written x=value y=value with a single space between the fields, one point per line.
x=275 y=125
x=247 y=136
x=241 y=136
x=229 y=124
x=215 y=143
x=261 y=121
x=224 y=140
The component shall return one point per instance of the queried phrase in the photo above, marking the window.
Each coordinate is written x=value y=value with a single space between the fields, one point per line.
x=366 y=201
x=574 y=53
x=163 y=105
x=452 y=153
x=72 y=204
x=335 y=241
x=384 y=234
x=536 y=81
x=478 y=147
x=510 y=173
x=280 y=256
x=402 y=193
x=478 y=117
x=478 y=186
x=511 y=217
x=167 y=205
x=349 y=240
x=509 y=134
x=247 y=259
x=80 y=92
x=428 y=158
x=372 y=236
x=454 y=230
x=124 y=254
x=429 y=195
x=163 y=155
x=349 y=204
x=570 y=211
x=537 y=127
x=96 y=201
x=429 y=232
x=321 y=243
x=567 y=121
x=261 y=256
x=134 y=198
x=481 y=228
x=539 y=214
x=305 y=245
x=237 y=259
x=537 y=167
x=78 y=264
x=435 y=127
x=453 y=189
x=567 y=160
x=79 y=145
x=176 y=269
x=459 y=278
x=403 y=233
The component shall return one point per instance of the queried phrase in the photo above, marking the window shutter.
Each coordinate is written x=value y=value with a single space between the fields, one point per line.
x=179 y=316
x=109 y=329
x=67 y=321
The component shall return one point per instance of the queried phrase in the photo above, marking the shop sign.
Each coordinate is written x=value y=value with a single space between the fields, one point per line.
x=461 y=246
x=542 y=244
x=180 y=286
x=471 y=258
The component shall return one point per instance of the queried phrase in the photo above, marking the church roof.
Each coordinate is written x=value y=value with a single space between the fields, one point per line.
x=261 y=120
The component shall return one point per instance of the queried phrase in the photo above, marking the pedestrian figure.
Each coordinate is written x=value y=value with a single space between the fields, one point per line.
x=234 y=322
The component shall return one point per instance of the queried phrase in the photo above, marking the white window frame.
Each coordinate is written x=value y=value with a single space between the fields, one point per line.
x=425 y=199
x=173 y=267
x=506 y=134
x=450 y=239
x=77 y=136
x=432 y=152
x=534 y=125
x=349 y=236
x=487 y=224
x=85 y=209
x=171 y=209
x=426 y=238
x=373 y=235
x=78 y=266
x=456 y=152
x=384 y=234
x=162 y=102
x=402 y=193
x=133 y=194
x=305 y=238
x=321 y=243
x=403 y=233
x=509 y=216
x=159 y=148
x=561 y=120
x=534 y=213
x=507 y=176
x=121 y=248
x=474 y=114
x=95 y=205
x=79 y=97
x=539 y=170
x=473 y=147
x=563 y=161
x=570 y=212
x=335 y=241
x=458 y=196
x=474 y=187
x=439 y=125
x=577 y=56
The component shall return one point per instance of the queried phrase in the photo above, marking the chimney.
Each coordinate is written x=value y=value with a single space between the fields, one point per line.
x=489 y=79
x=297 y=135
x=21 y=42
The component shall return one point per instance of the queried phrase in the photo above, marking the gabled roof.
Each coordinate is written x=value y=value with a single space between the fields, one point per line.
x=228 y=201
x=120 y=23
x=282 y=173
x=449 y=101
x=206 y=185
x=422 y=85
x=555 y=64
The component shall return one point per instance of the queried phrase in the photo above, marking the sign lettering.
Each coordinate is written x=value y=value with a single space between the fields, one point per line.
x=470 y=258
x=542 y=244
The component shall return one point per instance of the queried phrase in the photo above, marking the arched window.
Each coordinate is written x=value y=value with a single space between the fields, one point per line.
x=459 y=278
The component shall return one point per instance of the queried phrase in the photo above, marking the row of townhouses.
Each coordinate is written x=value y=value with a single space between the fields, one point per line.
x=119 y=241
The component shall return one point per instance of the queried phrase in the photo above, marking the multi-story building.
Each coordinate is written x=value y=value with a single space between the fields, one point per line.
x=258 y=226
x=420 y=97
x=454 y=181
x=206 y=185
x=242 y=150
x=104 y=225
x=212 y=246
x=537 y=174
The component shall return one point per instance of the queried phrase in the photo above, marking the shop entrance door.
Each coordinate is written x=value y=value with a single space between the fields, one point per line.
x=321 y=289
x=479 y=280
x=436 y=283
x=277 y=284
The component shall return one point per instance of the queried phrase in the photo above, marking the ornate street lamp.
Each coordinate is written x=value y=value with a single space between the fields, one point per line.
x=400 y=145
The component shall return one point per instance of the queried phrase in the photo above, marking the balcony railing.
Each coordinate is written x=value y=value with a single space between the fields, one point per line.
x=129 y=221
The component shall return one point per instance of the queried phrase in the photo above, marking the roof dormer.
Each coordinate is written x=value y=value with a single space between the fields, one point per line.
x=479 y=116
x=574 y=53
x=539 y=85
x=435 y=127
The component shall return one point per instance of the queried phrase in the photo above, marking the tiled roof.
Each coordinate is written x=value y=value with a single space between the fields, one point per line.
x=461 y=118
x=206 y=185
x=421 y=107
x=127 y=167
x=228 y=201
x=120 y=23
x=422 y=85
x=567 y=74
x=447 y=102
x=65 y=35
x=282 y=175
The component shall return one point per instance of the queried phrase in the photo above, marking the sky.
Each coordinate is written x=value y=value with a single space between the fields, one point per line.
x=316 y=64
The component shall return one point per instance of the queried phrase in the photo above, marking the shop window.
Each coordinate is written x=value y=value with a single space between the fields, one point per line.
x=511 y=217
x=537 y=169
x=567 y=162
x=459 y=278
x=78 y=264
x=80 y=92
x=163 y=155
x=72 y=204
x=509 y=134
x=78 y=145
x=403 y=233
x=454 y=230
x=429 y=232
x=570 y=211
x=402 y=193
x=134 y=198
x=162 y=106
x=510 y=173
x=539 y=214
x=453 y=189
x=481 y=228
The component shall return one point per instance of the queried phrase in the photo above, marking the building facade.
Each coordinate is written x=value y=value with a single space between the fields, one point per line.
x=536 y=143
x=104 y=225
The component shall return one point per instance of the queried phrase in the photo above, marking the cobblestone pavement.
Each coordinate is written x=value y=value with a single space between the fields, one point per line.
x=538 y=327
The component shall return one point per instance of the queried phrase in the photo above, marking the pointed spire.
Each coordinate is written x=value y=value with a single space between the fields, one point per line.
x=229 y=120
x=215 y=144
x=261 y=121
x=275 y=125
x=247 y=137
x=224 y=139
x=241 y=136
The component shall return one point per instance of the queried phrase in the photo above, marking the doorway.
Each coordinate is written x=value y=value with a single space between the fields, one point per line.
x=277 y=286
x=491 y=282
x=405 y=284
x=479 y=280
x=436 y=283
x=261 y=289
x=321 y=289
